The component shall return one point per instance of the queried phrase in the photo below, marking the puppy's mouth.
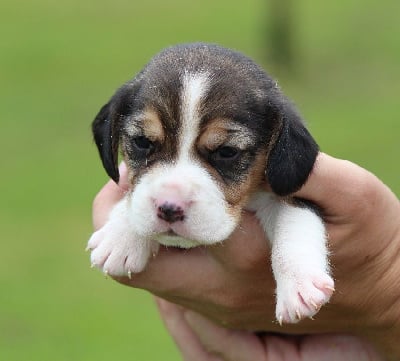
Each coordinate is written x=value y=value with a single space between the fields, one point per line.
x=173 y=239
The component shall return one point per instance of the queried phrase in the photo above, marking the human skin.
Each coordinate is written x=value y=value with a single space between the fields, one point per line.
x=200 y=339
x=232 y=285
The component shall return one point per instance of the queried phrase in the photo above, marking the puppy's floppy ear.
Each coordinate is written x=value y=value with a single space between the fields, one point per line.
x=106 y=128
x=293 y=153
x=106 y=134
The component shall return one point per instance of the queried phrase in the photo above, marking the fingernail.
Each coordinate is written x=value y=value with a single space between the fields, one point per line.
x=123 y=176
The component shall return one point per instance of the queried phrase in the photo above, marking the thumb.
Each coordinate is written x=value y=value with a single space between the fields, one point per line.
x=334 y=184
x=108 y=197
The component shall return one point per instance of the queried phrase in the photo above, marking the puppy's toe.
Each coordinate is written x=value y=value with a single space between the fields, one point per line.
x=95 y=240
x=114 y=264
x=135 y=263
x=100 y=255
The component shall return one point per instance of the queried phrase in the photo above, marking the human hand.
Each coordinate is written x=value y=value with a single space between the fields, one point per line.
x=199 y=339
x=232 y=285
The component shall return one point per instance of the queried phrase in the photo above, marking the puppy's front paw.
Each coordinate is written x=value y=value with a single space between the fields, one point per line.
x=119 y=252
x=302 y=295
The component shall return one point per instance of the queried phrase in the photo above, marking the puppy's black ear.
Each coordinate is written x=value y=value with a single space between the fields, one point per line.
x=293 y=154
x=106 y=135
x=107 y=124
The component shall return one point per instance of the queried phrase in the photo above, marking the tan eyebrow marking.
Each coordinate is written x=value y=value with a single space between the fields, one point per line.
x=224 y=131
x=147 y=123
x=152 y=126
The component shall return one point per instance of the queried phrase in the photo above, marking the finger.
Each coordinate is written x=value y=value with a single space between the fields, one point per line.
x=230 y=345
x=335 y=184
x=108 y=196
x=185 y=339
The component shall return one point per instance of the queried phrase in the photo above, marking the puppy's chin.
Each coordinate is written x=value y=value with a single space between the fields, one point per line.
x=171 y=239
x=182 y=236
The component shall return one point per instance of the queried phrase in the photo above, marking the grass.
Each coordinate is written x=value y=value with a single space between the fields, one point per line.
x=60 y=61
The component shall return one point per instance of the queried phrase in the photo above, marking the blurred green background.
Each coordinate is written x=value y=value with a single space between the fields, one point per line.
x=61 y=60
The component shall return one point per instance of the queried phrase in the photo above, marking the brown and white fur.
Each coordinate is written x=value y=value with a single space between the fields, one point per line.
x=201 y=128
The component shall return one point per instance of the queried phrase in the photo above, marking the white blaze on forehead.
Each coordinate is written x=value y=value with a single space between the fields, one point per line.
x=193 y=90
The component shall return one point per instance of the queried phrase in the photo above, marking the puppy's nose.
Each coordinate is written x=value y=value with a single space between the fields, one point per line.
x=170 y=212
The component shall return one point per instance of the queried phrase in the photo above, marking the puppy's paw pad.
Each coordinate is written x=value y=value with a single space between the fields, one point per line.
x=302 y=297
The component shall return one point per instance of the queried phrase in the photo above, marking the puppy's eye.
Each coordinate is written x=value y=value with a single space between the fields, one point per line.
x=143 y=144
x=226 y=153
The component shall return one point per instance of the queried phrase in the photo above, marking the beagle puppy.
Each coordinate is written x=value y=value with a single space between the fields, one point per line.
x=201 y=129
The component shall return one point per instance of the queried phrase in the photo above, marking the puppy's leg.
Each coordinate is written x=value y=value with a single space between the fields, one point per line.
x=116 y=248
x=299 y=258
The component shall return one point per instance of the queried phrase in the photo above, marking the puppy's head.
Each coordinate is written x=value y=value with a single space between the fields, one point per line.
x=200 y=127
